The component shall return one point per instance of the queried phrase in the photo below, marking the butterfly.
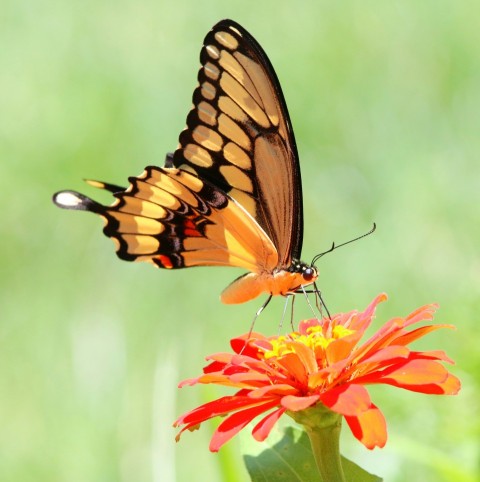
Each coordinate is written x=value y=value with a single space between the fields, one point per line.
x=231 y=193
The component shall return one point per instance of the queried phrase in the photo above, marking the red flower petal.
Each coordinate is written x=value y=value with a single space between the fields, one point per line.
x=217 y=407
x=243 y=344
x=263 y=428
x=235 y=422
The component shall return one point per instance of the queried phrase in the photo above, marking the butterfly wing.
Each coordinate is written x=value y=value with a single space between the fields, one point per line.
x=173 y=219
x=239 y=136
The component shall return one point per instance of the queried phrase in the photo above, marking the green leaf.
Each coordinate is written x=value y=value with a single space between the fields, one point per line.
x=286 y=456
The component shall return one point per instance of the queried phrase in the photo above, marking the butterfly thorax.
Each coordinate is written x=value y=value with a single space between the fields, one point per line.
x=281 y=281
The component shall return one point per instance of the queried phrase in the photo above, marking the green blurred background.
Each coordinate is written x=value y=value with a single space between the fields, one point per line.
x=385 y=102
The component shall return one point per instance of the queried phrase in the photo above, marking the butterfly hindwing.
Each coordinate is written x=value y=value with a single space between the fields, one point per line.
x=239 y=136
x=173 y=219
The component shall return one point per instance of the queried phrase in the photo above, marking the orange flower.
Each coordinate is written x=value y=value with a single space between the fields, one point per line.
x=321 y=364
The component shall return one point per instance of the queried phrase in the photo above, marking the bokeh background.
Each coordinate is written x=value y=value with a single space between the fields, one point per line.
x=385 y=102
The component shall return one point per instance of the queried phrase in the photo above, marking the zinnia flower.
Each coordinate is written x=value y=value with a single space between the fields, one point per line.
x=321 y=363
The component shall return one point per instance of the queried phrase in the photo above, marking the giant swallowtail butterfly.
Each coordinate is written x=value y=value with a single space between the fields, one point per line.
x=230 y=195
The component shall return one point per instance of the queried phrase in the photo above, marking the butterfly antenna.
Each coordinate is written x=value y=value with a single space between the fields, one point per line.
x=334 y=246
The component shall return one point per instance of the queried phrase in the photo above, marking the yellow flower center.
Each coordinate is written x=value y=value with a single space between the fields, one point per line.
x=314 y=339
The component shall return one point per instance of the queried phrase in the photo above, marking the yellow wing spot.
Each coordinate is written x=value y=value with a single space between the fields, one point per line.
x=97 y=184
x=237 y=178
x=177 y=188
x=211 y=70
x=192 y=181
x=227 y=40
x=250 y=104
x=207 y=113
x=128 y=223
x=262 y=84
x=233 y=29
x=208 y=90
x=134 y=205
x=236 y=155
x=197 y=155
x=233 y=131
x=138 y=244
x=188 y=168
x=206 y=257
x=232 y=109
x=246 y=201
x=212 y=51
x=232 y=66
x=155 y=194
x=207 y=138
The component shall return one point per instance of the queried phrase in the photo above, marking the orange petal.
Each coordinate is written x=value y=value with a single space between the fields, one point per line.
x=293 y=403
x=307 y=356
x=424 y=313
x=413 y=335
x=294 y=367
x=451 y=386
x=387 y=354
x=281 y=389
x=417 y=372
x=369 y=427
x=349 y=400
x=341 y=348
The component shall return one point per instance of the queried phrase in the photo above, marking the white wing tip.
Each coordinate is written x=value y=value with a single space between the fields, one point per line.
x=67 y=199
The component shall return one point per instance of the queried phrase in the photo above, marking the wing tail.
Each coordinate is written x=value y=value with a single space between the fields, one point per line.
x=75 y=201
x=113 y=188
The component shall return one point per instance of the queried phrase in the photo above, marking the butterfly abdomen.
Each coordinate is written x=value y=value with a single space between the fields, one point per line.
x=280 y=282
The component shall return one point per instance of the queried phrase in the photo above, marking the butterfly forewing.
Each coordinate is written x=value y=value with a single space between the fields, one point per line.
x=239 y=136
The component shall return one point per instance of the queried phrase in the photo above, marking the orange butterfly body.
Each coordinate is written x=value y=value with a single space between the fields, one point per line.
x=230 y=195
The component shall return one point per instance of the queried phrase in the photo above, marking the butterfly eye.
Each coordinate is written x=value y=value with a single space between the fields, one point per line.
x=309 y=274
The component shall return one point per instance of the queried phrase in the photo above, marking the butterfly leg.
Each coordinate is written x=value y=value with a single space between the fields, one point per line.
x=308 y=302
x=291 y=313
x=319 y=301
x=257 y=314
x=287 y=297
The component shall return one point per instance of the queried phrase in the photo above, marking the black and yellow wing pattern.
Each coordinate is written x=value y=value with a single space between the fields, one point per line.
x=230 y=195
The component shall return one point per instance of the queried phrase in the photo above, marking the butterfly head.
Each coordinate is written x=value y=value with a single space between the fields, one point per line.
x=307 y=272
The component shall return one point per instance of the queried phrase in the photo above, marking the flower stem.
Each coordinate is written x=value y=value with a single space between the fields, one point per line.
x=323 y=429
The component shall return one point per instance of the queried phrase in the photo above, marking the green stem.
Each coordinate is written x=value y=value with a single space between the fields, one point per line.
x=323 y=429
